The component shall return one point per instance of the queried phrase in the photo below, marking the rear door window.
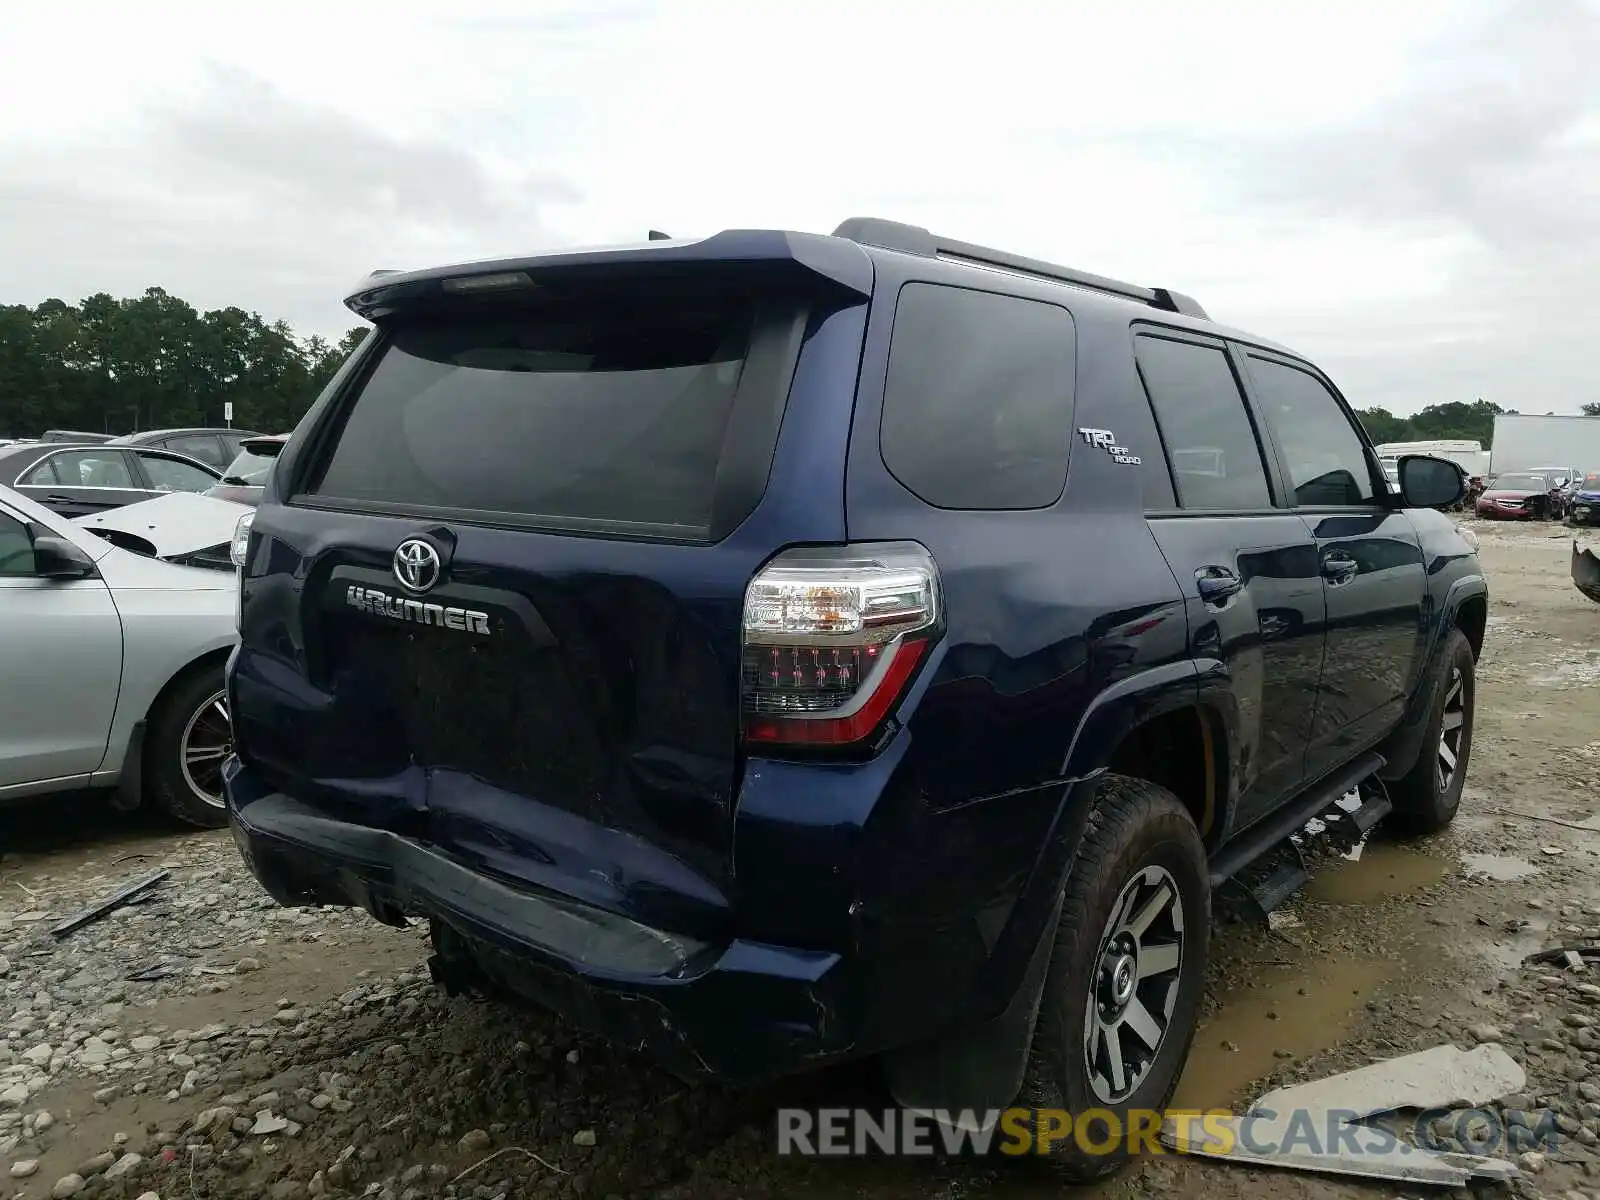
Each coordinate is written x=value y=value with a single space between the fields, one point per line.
x=977 y=405
x=175 y=475
x=614 y=414
x=1209 y=438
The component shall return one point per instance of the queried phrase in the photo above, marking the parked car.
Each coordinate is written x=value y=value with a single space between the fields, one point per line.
x=1584 y=508
x=113 y=665
x=1558 y=476
x=771 y=649
x=179 y=527
x=73 y=480
x=214 y=447
x=1517 y=496
x=243 y=480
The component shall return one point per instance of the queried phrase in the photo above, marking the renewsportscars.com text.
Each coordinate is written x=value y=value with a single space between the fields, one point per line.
x=847 y=1132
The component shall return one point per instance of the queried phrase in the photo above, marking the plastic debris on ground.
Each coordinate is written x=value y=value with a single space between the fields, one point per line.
x=1441 y=1077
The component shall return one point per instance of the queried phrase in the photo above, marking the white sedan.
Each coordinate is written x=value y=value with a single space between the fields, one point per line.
x=114 y=632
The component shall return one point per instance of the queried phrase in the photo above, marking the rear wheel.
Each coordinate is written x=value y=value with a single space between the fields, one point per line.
x=1121 y=997
x=1427 y=797
x=190 y=737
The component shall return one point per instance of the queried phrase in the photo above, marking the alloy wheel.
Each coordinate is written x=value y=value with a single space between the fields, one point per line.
x=1135 y=984
x=206 y=743
x=1453 y=730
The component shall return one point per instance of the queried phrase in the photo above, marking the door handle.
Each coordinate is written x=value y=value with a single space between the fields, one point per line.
x=1217 y=584
x=1339 y=567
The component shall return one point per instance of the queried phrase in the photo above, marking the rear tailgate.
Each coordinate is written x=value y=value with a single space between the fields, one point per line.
x=493 y=601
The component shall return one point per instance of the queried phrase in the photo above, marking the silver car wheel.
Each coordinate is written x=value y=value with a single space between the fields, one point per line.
x=205 y=745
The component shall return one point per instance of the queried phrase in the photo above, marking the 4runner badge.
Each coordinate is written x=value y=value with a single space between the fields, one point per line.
x=1105 y=440
x=397 y=608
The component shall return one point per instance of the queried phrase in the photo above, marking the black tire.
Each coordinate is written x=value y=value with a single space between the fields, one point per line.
x=183 y=712
x=1425 y=800
x=1138 y=837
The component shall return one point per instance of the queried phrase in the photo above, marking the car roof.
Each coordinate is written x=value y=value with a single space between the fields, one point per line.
x=40 y=449
x=145 y=435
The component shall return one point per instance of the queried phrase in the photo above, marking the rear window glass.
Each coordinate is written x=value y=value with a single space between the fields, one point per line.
x=977 y=406
x=590 y=415
x=250 y=469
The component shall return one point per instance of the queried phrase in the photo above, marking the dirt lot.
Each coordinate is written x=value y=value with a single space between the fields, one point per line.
x=139 y=1052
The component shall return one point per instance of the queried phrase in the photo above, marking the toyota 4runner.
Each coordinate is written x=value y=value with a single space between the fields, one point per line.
x=773 y=648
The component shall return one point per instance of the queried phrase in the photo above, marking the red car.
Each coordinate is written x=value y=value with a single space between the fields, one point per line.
x=1516 y=497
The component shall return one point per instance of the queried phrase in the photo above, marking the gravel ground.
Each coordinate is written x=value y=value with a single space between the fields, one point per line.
x=203 y=1043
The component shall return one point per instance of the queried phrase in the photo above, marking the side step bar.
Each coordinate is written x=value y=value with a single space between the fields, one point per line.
x=1267 y=860
x=1257 y=841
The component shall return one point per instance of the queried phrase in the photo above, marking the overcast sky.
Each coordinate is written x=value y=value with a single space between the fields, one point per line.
x=1405 y=191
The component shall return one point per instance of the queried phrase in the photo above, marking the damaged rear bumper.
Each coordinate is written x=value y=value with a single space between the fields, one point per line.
x=738 y=1011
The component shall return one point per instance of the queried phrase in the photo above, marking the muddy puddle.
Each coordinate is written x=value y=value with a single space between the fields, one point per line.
x=1288 y=1012
x=1501 y=868
x=1384 y=870
x=1508 y=949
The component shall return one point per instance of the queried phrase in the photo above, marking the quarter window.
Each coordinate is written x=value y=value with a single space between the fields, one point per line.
x=977 y=405
x=1210 y=441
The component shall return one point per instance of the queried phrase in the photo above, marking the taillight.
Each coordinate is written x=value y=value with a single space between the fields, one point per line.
x=832 y=637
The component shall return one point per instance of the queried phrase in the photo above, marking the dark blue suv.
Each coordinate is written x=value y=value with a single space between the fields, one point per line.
x=772 y=649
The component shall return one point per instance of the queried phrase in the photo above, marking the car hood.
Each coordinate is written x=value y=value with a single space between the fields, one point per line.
x=172 y=526
x=1508 y=494
x=1589 y=496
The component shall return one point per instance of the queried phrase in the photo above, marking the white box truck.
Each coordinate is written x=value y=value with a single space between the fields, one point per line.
x=1469 y=455
x=1523 y=443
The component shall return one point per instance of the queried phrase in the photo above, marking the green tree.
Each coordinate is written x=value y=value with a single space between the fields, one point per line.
x=1383 y=426
x=1455 y=419
x=152 y=361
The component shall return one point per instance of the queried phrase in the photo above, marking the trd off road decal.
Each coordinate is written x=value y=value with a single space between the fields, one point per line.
x=1107 y=441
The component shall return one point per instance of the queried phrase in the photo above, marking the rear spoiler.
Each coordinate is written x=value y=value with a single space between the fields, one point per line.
x=834 y=261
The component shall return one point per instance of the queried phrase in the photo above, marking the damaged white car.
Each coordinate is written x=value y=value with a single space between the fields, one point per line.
x=114 y=631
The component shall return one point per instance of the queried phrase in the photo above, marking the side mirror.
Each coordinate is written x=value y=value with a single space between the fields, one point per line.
x=1429 y=482
x=57 y=558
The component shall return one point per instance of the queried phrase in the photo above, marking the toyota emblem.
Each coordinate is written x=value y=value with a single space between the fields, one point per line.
x=416 y=565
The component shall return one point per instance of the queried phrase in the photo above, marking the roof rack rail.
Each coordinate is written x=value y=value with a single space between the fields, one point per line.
x=913 y=239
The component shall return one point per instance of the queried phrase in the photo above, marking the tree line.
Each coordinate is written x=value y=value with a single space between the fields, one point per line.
x=1455 y=419
x=155 y=362
x=108 y=365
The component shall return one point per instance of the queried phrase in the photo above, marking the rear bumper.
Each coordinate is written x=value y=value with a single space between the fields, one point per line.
x=739 y=1011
